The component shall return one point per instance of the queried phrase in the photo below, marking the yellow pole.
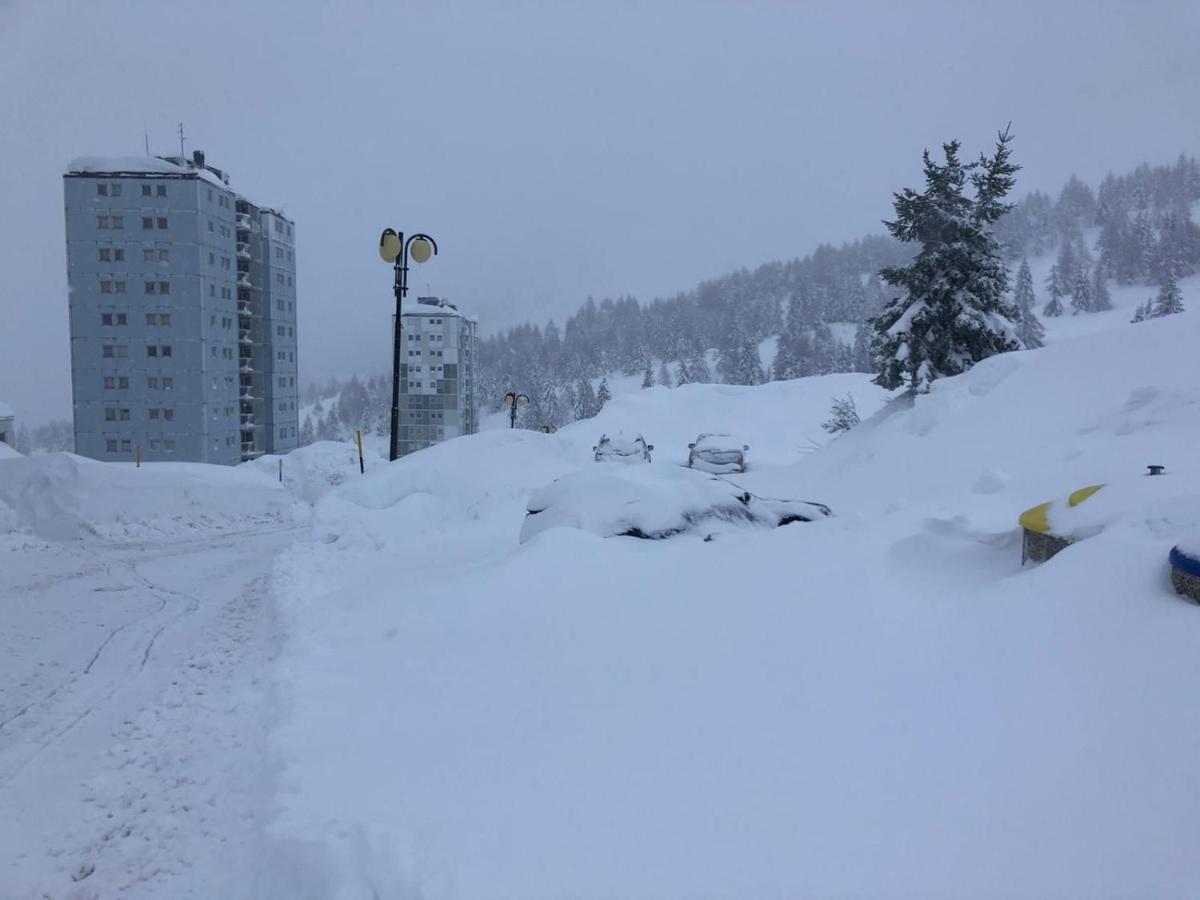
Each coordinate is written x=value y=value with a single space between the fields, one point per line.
x=358 y=437
x=137 y=456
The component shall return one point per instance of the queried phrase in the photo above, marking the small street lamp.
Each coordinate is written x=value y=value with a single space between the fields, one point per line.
x=512 y=401
x=394 y=249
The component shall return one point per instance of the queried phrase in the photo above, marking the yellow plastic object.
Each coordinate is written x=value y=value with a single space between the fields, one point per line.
x=1035 y=519
x=1082 y=494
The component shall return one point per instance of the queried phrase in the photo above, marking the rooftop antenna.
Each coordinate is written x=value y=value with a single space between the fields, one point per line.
x=147 y=134
x=181 y=140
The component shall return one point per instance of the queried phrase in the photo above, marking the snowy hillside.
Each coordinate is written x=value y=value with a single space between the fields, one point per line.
x=884 y=704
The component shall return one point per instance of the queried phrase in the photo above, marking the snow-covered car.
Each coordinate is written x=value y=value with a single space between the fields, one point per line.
x=656 y=502
x=718 y=453
x=618 y=448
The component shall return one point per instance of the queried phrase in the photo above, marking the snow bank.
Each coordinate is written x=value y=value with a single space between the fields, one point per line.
x=60 y=496
x=311 y=472
x=7 y=452
x=886 y=704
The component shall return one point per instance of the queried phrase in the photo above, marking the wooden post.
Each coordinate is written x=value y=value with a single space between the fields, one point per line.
x=358 y=438
x=137 y=456
x=281 y=470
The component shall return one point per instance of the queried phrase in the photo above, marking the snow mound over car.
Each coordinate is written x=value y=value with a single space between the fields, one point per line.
x=654 y=501
x=61 y=496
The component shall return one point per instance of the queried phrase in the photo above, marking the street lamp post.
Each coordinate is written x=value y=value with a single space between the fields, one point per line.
x=394 y=249
x=513 y=400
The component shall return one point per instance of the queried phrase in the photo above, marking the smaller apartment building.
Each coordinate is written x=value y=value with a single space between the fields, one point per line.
x=437 y=375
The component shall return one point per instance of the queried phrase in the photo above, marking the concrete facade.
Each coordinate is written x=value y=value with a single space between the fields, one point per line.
x=437 y=375
x=155 y=269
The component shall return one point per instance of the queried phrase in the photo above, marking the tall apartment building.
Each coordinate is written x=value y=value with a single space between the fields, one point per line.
x=182 y=313
x=437 y=375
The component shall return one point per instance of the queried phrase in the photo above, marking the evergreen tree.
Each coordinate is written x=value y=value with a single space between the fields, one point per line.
x=585 y=400
x=603 y=395
x=683 y=375
x=1144 y=312
x=1029 y=329
x=648 y=377
x=1101 y=299
x=1169 y=300
x=664 y=374
x=843 y=415
x=1081 y=296
x=951 y=312
x=307 y=433
x=1054 y=284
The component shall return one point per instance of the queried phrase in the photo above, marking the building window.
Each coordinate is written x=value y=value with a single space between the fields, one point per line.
x=169 y=445
x=155 y=443
x=164 y=287
x=161 y=190
x=102 y=221
x=210 y=225
x=148 y=254
x=152 y=350
x=110 y=445
x=149 y=287
x=118 y=222
x=165 y=350
x=151 y=319
x=105 y=254
x=115 y=190
x=110 y=382
x=168 y=414
x=164 y=255
x=168 y=383
x=110 y=414
x=102 y=190
x=147 y=222
x=162 y=221
x=109 y=351
x=106 y=287
x=145 y=190
x=152 y=413
x=152 y=382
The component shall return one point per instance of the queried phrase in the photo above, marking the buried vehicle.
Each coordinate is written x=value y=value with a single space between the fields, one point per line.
x=717 y=453
x=656 y=502
x=618 y=448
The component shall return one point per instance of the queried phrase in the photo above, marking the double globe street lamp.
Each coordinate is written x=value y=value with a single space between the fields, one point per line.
x=394 y=249
x=513 y=400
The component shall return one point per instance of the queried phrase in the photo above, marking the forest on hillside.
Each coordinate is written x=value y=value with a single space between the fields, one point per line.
x=1136 y=228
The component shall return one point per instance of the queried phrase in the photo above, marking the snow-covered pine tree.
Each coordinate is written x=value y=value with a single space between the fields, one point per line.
x=648 y=376
x=585 y=400
x=1081 y=295
x=1143 y=312
x=843 y=415
x=603 y=395
x=1169 y=300
x=1029 y=329
x=308 y=434
x=1054 y=285
x=1101 y=299
x=683 y=374
x=951 y=312
x=664 y=374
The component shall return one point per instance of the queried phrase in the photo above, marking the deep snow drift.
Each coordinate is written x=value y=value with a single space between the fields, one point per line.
x=882 y=704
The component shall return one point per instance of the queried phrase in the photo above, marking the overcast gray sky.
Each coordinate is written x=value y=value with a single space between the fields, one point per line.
x=554 y=149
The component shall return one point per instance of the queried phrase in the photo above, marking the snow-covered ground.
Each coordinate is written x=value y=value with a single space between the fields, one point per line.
x=883 y=704
x=214 y=684
x=135 y=685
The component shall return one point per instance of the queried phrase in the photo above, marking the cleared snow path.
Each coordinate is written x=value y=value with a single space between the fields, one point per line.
x=134 y=712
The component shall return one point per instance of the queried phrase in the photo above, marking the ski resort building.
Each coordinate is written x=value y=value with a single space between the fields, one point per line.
x=437 y=375
x=182 y=298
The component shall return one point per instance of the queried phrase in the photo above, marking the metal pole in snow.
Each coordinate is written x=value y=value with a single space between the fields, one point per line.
x=281 y=470
x=137 y=456
x=358 y=438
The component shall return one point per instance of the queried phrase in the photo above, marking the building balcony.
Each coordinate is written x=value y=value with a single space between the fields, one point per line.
x=248 y=422
x=245 y=339
x=243 y=280
x=243 y=251
x=246 y=368
x=242 y=220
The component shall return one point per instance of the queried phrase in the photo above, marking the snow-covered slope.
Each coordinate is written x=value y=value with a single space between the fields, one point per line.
x=882 y=704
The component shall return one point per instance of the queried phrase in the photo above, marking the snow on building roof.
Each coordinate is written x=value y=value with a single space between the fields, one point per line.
x=139 y=165
x=434 y=306
x=6 y=411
